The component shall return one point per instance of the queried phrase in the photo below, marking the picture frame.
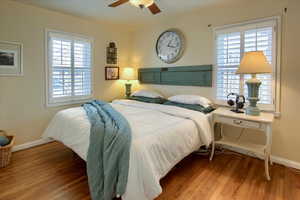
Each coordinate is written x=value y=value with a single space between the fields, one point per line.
x=112 y=73
x=11 y=59
x=111 y=54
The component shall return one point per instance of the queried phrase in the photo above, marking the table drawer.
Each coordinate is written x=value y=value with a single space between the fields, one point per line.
x=238 y=122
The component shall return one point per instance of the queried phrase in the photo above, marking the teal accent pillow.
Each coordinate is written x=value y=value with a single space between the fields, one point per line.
x=148 y=99
x=195 y=107
x=3 y=140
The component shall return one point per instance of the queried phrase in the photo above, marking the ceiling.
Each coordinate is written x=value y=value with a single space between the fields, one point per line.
x=99 y=10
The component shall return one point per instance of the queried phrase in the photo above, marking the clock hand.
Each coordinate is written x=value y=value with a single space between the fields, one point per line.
x=169 y=44
x=172 y=46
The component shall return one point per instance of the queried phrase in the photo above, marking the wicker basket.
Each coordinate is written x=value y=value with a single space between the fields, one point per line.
x=5 y=151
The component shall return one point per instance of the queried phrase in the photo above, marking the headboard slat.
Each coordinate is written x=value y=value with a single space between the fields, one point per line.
x=185 y=75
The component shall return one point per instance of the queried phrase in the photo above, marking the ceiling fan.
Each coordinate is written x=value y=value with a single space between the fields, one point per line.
x=150 y=4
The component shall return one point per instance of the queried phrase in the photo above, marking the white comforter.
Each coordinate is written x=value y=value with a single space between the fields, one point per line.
x=161 y=137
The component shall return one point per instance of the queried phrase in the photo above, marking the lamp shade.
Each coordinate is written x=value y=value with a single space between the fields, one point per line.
x=128 y=73
x=254 y=62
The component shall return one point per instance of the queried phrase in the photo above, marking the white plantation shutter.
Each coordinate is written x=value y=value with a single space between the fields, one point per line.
x=228 y=59
x=69 y=68
x=261 y=40
x=82 y=68
x=231 y=43
x=61 y=68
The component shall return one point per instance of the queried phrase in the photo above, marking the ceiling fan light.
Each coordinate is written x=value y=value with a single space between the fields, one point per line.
x=142 y=3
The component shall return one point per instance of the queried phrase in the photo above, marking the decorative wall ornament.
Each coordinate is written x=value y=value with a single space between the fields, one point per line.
x=112 y=73
x=11 y=56
x=111 y=54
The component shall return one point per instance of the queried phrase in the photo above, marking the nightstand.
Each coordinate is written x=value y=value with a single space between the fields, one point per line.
x=263 y=123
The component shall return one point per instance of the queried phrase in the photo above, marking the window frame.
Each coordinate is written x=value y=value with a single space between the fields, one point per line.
x=238 y=27
x=53 y=102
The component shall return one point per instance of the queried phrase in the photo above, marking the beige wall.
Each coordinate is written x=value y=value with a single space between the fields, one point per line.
x=287 y=132
x=199 y=50
x=22 y=99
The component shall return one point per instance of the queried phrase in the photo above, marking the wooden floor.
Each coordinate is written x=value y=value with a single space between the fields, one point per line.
x=52 y=171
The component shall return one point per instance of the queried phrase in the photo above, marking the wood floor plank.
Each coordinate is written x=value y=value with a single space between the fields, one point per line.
x=53 y=172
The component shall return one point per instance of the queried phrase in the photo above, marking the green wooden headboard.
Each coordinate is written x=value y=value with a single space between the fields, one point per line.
x=200 y=75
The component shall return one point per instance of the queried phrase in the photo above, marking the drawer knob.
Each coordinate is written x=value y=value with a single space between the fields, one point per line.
x=237 y=121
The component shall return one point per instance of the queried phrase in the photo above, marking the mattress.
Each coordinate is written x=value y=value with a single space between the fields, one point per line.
x=161 y=136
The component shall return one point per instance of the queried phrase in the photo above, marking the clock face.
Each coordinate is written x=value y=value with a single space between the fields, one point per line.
x=169 y=46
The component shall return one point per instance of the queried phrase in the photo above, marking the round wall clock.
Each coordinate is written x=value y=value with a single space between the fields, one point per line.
x=170 y=46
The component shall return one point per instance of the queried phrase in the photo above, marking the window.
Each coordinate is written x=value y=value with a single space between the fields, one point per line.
x=231 y=42
x=69 y=68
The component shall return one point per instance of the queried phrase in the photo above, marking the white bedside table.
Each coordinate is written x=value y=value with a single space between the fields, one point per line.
x=263 y=123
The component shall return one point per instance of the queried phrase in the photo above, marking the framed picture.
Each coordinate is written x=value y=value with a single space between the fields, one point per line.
x=112 y=73
x=11 y=59
x=111 y=54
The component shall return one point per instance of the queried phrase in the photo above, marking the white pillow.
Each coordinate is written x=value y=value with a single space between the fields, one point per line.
x=191 y=99
x=147 y=93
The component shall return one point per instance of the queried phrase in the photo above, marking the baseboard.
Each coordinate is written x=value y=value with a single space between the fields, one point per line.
x=275 y=159
x=30 y=144
x=285 y=162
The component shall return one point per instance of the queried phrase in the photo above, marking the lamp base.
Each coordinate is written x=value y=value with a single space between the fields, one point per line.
x=128 y=89
x=254 y=111
x=253 y=90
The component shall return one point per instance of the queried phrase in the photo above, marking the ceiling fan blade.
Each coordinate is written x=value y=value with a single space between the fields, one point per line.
x=117 y=3
x=154 y=9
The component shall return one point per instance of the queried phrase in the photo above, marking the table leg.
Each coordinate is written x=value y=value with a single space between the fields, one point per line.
x=270 y=145
x=267 y=166
x=268 y=150
x=212 y=150
x=213 y=142
x=221 y=130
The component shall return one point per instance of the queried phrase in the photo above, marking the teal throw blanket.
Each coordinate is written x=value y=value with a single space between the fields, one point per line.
x=108 y=153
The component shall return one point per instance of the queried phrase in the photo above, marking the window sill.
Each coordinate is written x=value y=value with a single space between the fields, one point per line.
x=57 y=104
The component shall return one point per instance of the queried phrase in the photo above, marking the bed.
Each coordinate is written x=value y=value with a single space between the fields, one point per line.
x=162 y=136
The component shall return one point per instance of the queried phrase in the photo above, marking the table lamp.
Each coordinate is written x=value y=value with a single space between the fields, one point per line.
x=128 y=74
x=254 y=62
